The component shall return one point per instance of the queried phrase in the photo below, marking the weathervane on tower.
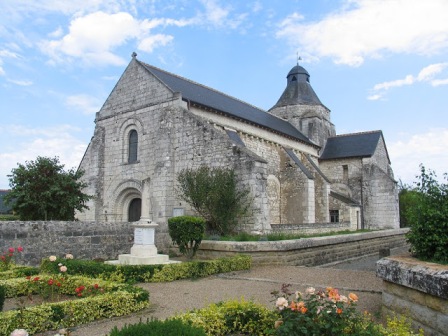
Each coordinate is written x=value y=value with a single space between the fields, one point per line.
x=298 y=58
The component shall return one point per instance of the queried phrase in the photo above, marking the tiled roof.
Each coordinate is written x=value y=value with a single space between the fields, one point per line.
x=351 y=145
x=232 y=107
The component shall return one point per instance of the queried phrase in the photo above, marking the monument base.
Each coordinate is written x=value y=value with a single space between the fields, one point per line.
x=129 y=259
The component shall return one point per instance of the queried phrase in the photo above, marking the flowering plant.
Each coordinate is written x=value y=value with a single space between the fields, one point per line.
x=323 y=312
x=5 y=258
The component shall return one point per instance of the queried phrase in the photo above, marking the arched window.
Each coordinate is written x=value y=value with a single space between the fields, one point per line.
x=133 y=146
x=135 y=210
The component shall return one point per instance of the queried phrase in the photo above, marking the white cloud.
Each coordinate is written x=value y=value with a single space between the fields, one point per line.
x=427 y=74
x=427 y=148
x=374 y=97
x=214 y=13
x=93 y=37
x=20 y=82
x=370 y=28
x=438 y=82
x=32 y=142
x=87 y=104
x=150 y=43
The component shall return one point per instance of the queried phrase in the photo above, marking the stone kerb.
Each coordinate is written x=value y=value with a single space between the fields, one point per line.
x=416 y=289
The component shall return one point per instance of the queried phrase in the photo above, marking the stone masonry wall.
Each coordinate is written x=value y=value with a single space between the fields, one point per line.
x=85 y=240
x=307 y=251
x=417 y=290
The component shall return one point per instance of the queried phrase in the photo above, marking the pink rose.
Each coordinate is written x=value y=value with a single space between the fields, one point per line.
x=63 y=269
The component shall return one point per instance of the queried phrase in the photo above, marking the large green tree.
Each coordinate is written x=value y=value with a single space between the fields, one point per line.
x=214 y=193
x=43 y=190
x=428 y=218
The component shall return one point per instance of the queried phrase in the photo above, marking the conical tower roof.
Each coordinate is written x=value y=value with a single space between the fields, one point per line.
x=298 y=89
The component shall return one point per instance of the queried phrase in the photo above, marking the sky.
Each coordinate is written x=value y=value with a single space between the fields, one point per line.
x=376 y=64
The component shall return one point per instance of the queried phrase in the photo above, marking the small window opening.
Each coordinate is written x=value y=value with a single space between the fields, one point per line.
x=133 y=146
x=293 y=79
x=345 y=173
x=334 y=216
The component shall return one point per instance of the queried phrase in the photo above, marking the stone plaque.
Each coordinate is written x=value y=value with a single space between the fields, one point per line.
x=178 y=212
x=138 y=236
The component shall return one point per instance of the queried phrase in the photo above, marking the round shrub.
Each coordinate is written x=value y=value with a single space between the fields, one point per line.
x=187 y=232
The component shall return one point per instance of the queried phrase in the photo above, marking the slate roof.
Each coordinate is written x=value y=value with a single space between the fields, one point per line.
x=351 y=145
x=220 y=102
x=298 y=89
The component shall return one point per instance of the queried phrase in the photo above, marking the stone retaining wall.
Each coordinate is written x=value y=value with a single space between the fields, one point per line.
x=312 y=228
x=307 y=251
x=86 y=240
x=418 y=290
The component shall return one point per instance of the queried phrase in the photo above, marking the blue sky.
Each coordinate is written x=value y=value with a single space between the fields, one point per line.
x=376 y=64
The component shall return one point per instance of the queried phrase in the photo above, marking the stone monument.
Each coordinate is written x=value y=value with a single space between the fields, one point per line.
x=144 y=251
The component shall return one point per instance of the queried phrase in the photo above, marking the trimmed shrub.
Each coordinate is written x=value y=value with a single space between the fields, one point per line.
x=158 y=328
x=148 y=273
x=118 y=299
x=187 y=232
x=232 y=318
x=2 y=296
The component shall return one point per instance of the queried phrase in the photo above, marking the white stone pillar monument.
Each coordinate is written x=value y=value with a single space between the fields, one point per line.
x=144 y=250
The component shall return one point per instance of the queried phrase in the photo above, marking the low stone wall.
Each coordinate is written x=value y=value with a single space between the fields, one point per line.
x=416 y=289
x=307 y=251
x=311 y=228
x=86 y=240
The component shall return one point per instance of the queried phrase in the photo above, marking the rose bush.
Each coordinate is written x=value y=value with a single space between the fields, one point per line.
x=323 y=312
x=6 y=258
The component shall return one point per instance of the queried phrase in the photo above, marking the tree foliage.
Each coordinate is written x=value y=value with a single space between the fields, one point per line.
x=215 y=195
x=428 y=218
x=42 y=190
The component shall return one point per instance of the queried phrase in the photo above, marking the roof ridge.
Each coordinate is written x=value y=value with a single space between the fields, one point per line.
x=204 y=86
x=356 y=133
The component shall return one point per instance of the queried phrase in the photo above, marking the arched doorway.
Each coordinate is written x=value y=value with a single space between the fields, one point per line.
x=135 y=210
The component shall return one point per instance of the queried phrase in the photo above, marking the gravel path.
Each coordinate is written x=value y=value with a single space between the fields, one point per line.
x=256 y=284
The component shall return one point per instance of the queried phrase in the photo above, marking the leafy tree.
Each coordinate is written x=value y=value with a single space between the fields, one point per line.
x=428 y=218
x=408 y=199
x=214 y=194
x=42 y=190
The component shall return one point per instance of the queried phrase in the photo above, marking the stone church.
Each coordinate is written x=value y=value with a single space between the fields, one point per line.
x=299 y=171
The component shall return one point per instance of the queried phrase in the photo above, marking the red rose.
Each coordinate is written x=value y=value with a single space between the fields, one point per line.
x=20 y=249
x=50 y=282
x=11 y=250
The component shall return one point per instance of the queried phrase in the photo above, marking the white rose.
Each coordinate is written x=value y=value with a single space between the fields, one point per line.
x=310 y=290
x=52 y=258
x=281 y=303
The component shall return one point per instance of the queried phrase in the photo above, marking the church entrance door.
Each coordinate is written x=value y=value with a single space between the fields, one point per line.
x=135 y=210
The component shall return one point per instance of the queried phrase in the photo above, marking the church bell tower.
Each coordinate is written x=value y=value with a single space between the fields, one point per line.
x=300 y=106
